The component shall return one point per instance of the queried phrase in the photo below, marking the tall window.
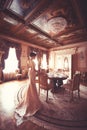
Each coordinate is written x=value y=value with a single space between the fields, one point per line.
x=36 y=63
x=11 y=63
x=44 y=62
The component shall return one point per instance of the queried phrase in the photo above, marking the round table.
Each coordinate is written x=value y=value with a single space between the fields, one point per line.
x=58 y=81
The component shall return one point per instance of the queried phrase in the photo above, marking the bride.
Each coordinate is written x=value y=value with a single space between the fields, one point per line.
x=29 y=102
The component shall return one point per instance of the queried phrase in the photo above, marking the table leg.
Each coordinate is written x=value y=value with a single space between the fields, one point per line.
x=57 y=85
x=60 y=82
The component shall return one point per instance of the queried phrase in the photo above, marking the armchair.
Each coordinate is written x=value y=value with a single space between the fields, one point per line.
x=45 y=83
x=73 y=85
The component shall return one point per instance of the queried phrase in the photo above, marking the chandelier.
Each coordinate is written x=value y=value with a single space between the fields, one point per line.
x=57 y=24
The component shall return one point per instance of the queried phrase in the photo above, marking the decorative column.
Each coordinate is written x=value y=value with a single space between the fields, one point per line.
x=1 y=53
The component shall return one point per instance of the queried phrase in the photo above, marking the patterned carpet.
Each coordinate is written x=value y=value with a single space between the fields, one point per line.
x=60 y=111
x=57 y=114
x=59 y=106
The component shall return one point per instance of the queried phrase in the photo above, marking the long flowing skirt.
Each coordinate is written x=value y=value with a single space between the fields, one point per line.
x=28 y=102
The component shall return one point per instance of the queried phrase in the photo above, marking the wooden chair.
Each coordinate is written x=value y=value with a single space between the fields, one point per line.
x=73 y=85
x=45 y=83
x=84 y=77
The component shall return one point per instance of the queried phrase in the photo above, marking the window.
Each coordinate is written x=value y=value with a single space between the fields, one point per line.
x=44 y=62
x=11 y=63
x=36 y=63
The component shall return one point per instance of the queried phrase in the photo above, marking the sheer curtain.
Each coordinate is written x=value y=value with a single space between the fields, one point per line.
x=11 y=63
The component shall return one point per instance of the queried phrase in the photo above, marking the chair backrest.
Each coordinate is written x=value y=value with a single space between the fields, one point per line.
x=76 y=82
x=44 y=81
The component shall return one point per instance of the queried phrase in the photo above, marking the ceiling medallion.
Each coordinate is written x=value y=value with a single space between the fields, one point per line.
x=57 y=24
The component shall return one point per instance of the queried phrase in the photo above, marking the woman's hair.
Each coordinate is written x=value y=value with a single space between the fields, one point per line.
x=32 y=54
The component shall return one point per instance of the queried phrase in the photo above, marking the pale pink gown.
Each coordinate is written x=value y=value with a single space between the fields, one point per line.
x=30 y=102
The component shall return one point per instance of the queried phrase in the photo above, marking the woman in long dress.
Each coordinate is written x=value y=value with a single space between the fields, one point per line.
x=29 y=102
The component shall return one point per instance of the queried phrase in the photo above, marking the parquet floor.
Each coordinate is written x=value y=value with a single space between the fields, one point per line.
x=49 y=116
